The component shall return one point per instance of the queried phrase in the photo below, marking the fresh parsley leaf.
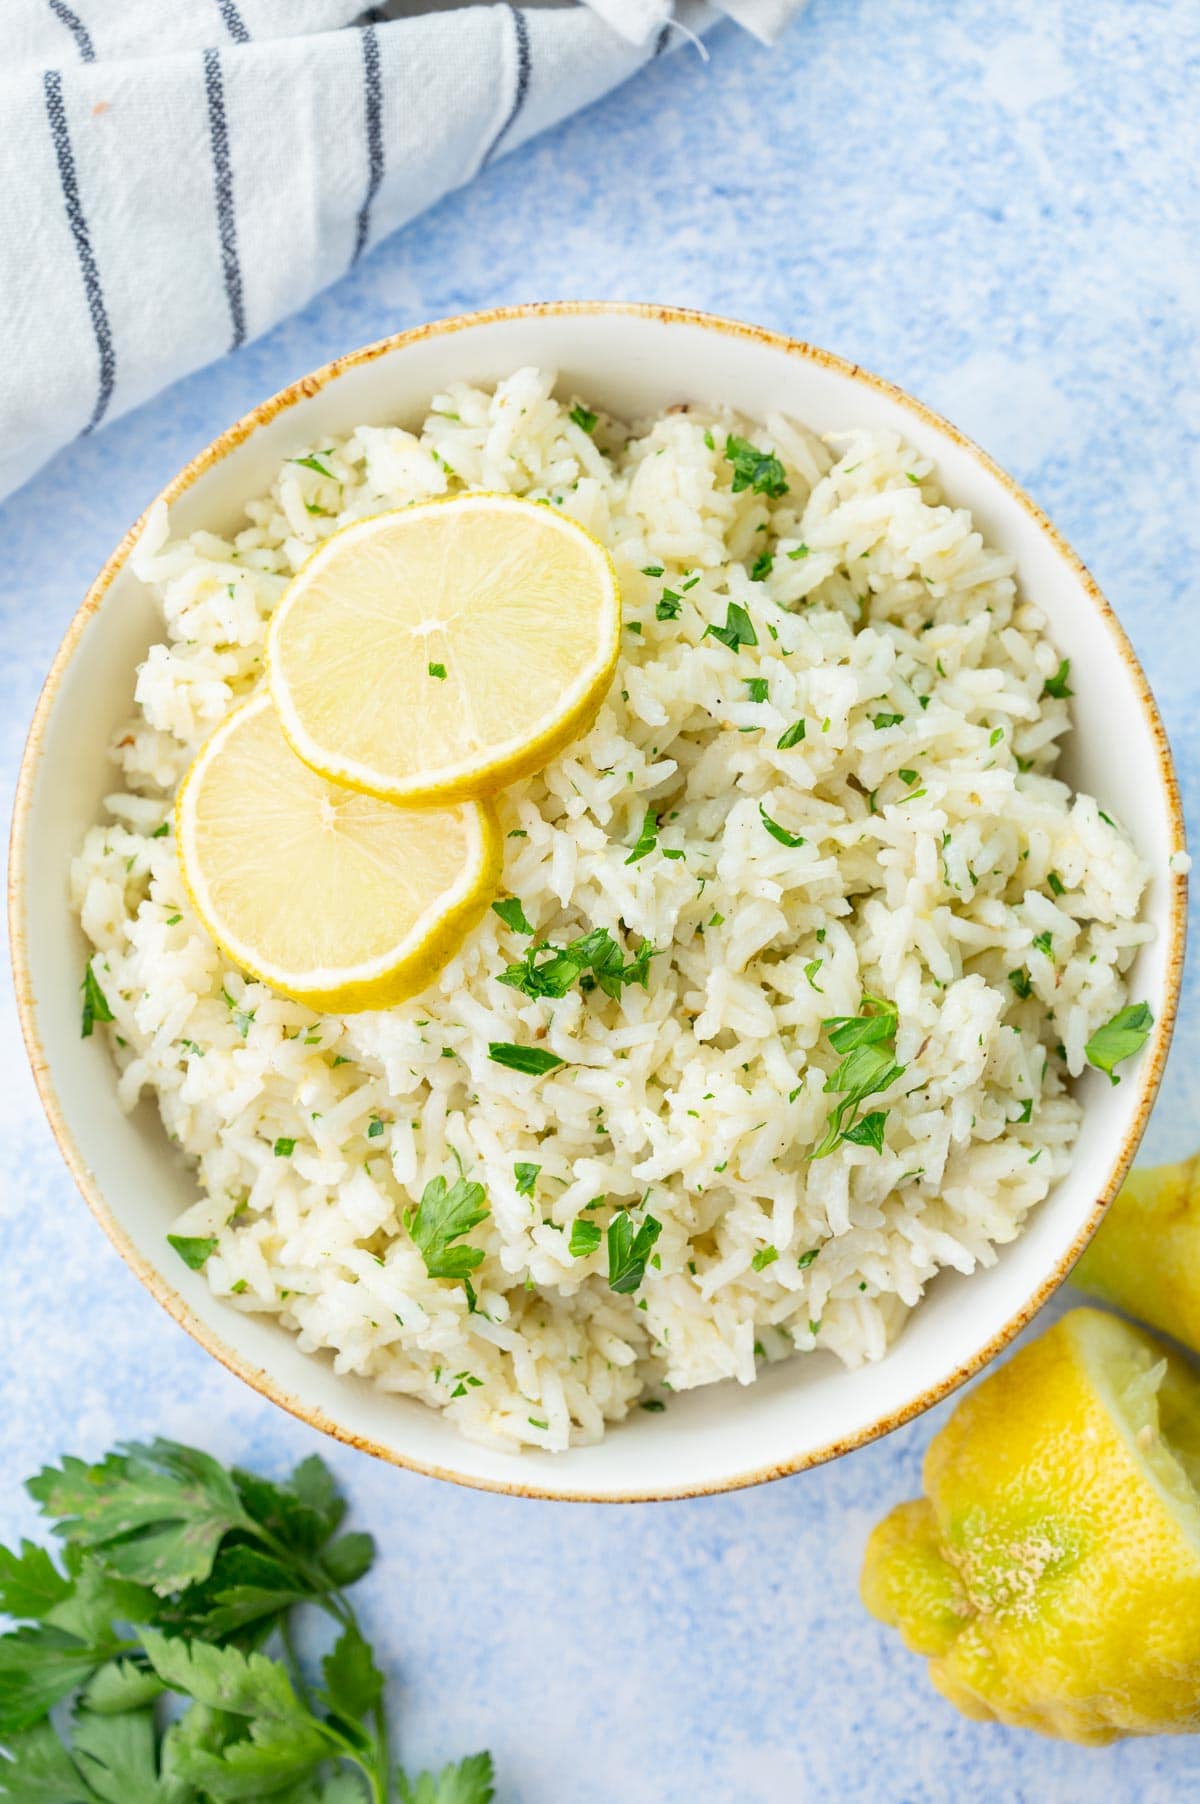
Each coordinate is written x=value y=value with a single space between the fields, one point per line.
x=38 y=1770
x=791 y=736
x=763 y=1257
x=875 y=1026
x=628 y=1252
x=154 y=1513
x=1057 y=685
x=193 y=1249
x=737 y=631
x=353 y=1682
x=468 y=1782
x=756 y=688
x=760 y=569
x=38 y=1668
x=1022 y=984
x=647 y=839
x=1120 y=1038
x=584 y=419
x=886 y=720
x=585 y=1238
x=30 y=1583
x=753 y=469
x=95 y=1003
x=284 y=1147
x=777 y=832
x=444 y=1215
x=595 y=961
x=512 y=914
x=118 y=1756
x=438 y=671
x=668 y=605
x=533 y=1060
x=907 y=776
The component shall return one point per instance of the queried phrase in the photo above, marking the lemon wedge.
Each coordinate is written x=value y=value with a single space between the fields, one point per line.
x=336 y=899
x=445 y=650
x=1051 y=1572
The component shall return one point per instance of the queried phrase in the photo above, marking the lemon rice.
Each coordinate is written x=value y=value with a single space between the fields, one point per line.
x=824 y=771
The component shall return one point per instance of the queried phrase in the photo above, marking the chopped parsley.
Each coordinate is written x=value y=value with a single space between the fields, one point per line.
x=512 y=914
x=95 y=1003
x=444 y=1214
x=996 y=735
x=1022 y=984
x=791 y=736
x=585 y=1238
x=806 y=1259
x=810 y=971
x=161 y=832
x=1056 y=884
x=1057 y=685
x=668 y=605
x=886 y=720
x=765 y=1256
x=284 y=1147
x=760 y=569
x=1044 y=942
x=753 y=469
x=756 y=688
x=375 y=1129
x=1120 y=1038
x=193 y=1249
x=594 y=962
x=530 y=1059
x=438 y=671
x=526 y=1177
x=867 y=1043
x=647 y=839
x=737 y=631
x=907 y=776
x=584 y=419
x=628 y=1252
x=313 y=462
x=777 y=832
x=800 y=551
x=652 y=570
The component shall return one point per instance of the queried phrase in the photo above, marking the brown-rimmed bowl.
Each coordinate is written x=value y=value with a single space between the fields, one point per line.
x=635 y=360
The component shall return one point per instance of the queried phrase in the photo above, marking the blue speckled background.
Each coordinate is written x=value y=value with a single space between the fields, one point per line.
x=996 y=207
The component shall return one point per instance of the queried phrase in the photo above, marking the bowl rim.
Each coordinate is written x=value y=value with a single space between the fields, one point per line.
x=1150 y=1070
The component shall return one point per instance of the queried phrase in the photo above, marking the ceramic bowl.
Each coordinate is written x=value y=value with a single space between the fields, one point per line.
x=636 y=360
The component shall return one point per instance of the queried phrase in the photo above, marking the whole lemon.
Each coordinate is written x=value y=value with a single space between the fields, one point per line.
x=1146 y=1256
x=1051 y=1573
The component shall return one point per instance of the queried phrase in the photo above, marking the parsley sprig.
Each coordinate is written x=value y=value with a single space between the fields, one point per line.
x=178 y=1575
x=867 y=1043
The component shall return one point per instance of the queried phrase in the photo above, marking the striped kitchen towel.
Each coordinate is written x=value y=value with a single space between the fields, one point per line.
x=177 y=175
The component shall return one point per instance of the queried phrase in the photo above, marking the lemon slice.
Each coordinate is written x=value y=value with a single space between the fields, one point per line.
x=446 y=649
x=337 y=899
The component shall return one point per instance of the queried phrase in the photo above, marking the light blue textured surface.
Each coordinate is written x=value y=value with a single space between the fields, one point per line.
x=996 y=207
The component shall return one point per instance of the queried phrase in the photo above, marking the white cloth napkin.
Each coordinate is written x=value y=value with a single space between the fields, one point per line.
x=177 y=175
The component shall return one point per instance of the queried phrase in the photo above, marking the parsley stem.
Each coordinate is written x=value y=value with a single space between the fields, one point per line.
x=293 y=1661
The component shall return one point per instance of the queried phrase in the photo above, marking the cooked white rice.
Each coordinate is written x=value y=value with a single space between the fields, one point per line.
x=933 y=853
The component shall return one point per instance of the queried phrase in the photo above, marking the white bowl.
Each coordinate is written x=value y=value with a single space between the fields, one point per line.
x=636 y=361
